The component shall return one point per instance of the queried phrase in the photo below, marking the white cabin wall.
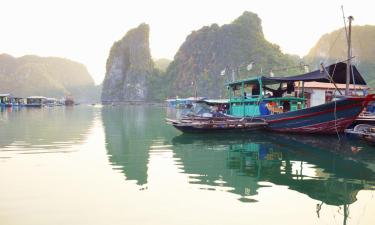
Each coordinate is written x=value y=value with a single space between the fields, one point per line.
x=318 y=97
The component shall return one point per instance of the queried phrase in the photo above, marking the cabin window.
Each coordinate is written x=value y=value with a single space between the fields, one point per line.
x=236 y=91
x=251 y=90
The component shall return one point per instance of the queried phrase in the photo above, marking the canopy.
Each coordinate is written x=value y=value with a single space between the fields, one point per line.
x=337 y=72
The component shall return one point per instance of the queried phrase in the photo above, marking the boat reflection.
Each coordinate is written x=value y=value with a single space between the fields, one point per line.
x=323 y=168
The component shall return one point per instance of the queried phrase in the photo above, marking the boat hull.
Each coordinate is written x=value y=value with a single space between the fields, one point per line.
x=329 y=118
x=195 y=129
x=224 y=124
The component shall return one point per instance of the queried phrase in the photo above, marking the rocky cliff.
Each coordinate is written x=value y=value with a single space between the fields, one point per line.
x=210 y=50
x=47 y=76
x=332 y=47
x=129 y=65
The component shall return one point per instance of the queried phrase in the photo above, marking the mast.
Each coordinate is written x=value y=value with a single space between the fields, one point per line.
x=348 y=64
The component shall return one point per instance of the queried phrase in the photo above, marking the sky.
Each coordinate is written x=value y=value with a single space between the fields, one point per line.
x=84 y=30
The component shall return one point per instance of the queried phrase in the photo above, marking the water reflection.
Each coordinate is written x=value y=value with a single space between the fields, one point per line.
x=130 y=132
x=247 y=163
x=155 y=156
x=46 y=130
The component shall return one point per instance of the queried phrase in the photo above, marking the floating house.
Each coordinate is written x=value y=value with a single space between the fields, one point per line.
x=5 y=100
x=36 y=101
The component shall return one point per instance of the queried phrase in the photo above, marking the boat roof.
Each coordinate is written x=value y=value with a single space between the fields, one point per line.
x=337 y=74
x=319 y=85
x=37 y=97
x=4 y=95
x=215 y=101
x=186 y=99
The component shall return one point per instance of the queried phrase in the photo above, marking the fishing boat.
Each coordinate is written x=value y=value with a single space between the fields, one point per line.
x=69 y=101
x=285 y=109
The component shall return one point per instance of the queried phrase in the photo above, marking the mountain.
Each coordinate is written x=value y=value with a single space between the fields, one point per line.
x=129 y=66
x=47 y=76
x=332 y=47
x=212 y=49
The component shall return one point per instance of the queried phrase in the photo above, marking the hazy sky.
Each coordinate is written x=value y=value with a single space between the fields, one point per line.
x=85 y=30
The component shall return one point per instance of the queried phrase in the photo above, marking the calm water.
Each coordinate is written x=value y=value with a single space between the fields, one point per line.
x=123 y=165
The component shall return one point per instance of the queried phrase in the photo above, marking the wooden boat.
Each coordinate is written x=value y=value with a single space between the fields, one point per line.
x=365 y=118
x=285 y=109
x=363 y=131
x=215 y=124
x=69 y=101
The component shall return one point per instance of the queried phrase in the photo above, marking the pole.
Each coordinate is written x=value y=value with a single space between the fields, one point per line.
x=348 y=64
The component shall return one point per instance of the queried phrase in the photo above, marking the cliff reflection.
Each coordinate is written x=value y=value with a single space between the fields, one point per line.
x=129 y=133
x=309 y=165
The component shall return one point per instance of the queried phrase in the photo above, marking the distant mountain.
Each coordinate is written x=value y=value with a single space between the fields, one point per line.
x=212 y=49
x=162 y=64
x=332 y=47
x=47 y=76
x=129 y=66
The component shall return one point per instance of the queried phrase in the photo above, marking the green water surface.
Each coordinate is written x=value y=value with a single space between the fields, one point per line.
x=123 y=165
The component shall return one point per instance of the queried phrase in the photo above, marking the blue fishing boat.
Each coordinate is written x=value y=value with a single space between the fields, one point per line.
x=285 y=109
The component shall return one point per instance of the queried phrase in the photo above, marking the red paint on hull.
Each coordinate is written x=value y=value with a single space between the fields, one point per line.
x=317 y=113
x=330 y=127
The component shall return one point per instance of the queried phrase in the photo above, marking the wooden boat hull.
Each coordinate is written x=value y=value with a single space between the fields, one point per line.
x=199 y=125
x=196 y=129
x=328 y=118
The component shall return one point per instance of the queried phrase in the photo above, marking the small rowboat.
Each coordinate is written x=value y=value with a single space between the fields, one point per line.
x=212 y=124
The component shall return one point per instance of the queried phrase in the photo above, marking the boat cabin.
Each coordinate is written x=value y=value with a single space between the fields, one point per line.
x=259 y=96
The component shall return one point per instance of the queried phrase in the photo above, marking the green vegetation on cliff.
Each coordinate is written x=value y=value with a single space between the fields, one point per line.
x=210 y=50
x=129 y=67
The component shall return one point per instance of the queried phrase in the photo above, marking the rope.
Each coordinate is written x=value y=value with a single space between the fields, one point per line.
x=334 y=113
x=334 y=96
